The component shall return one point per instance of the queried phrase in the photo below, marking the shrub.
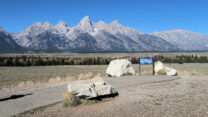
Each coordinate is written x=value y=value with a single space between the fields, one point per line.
x=129 y=74
x=194 y=72
x=54 y=80
x=81 y=77
x=29 y=83
x=89 y=75
x=85 y=76
x=162 y=72
x=58 y=79
x=98 y=75
x=146 y=73
x=71 y=100
x=21 y=84
x=69 y=78
x=183 y=73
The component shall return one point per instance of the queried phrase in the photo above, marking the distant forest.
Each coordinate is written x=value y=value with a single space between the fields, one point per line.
x=47 y=61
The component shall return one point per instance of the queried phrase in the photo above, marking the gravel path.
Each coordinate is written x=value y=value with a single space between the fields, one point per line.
x=40 y=97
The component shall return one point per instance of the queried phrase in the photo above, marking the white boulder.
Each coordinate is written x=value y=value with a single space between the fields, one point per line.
x=90 y=88
x=159 y=66
x=120 y=67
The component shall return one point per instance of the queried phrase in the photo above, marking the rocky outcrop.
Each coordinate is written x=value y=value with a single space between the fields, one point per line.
x=161 y=69
x=120 y=67
x=89 y=89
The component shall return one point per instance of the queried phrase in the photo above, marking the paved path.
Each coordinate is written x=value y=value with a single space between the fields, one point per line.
x=41 y=97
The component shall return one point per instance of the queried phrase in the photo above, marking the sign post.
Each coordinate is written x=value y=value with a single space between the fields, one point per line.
x=146 y=61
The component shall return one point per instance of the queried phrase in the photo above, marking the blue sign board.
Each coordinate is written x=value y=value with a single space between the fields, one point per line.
x=146 y=61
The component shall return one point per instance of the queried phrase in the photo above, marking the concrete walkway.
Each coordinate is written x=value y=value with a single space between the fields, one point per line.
x=42 y=97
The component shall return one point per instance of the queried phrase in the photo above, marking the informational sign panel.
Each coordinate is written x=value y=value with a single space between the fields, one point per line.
x=146 y=61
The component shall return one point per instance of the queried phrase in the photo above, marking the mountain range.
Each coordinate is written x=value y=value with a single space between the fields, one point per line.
x=87 y=36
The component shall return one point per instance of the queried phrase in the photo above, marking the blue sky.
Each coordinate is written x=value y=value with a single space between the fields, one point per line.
x=144 y=15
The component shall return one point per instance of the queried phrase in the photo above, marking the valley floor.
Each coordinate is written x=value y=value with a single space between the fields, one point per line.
x=14 y=76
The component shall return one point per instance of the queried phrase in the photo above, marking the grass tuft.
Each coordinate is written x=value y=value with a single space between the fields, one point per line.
x=21 y=84
x=54 y=80
x=69 y=78
x=98 y=75
x=89 y=75
x=29 y=83
x=81 y=77
x=85 y=76
x=162 y=72
x=193 y=72
x=71 y=100
x=146 y=73
x=183 y=73
x=128 y=74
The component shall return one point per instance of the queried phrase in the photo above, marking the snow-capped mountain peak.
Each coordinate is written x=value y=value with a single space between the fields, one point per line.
x=118 y=29
x=115 y=23
x=47 y=25
x=62 y=27
x=35 y=29
x=100 y=25
x=85 y=20
x=37 y=24
x=61 y=24
x=85 y=25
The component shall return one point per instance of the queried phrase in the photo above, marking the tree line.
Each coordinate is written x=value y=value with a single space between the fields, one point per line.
x=47 y=61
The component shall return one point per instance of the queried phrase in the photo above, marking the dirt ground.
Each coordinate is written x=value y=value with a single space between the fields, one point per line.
x=185 y=97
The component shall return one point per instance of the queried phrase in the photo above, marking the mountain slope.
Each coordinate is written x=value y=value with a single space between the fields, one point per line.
x=133 y=40
x=185 y=40
x=7 y=44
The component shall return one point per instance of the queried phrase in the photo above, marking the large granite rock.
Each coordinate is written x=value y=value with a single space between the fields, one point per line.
x=159 y=67
x=92 y=88
x=120 y=67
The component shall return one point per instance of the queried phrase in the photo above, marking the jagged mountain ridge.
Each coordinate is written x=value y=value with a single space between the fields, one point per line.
x=89 y=37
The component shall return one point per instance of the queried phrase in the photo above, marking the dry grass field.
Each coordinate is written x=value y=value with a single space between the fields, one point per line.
x=20 y=76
